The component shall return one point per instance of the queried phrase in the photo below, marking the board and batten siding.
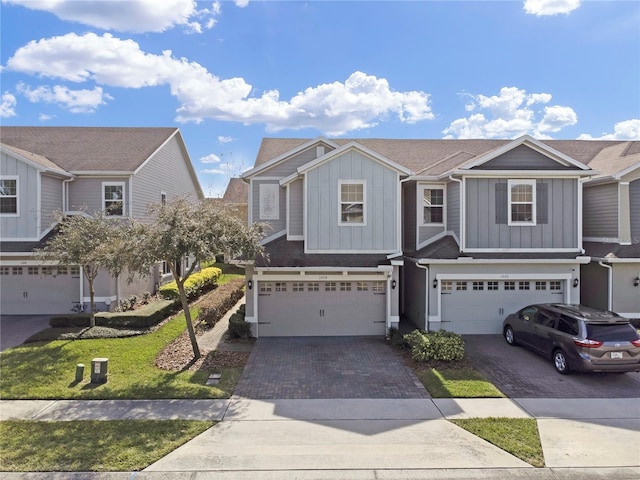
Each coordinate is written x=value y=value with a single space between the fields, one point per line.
x=166 y=171
x=276 y=225
x=85 y=193
x=559 y=230
x=290 y=165
x=51 y=200
x=634 y=211
x=380 y=233
x=296 y=207
x=601 y=211
x=522 y=157
x=25 y=224
x=453 y=208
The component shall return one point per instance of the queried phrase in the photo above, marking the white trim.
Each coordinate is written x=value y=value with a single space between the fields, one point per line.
x=514 y=261
x=579 y=223
x=365 y=203
x=148 y=159
x=320 y=277
x=613 y=260
x=295 y=238
x=626 y=171
x=39 y=205
x=523 y=250
x=265 y=191
x=399 y=216
x=287 y=180
x=102 y=173
x=433 y=239
x=267 y=179
x=516 y=173
x=287 y=210
x=250 y=202
x=305 y=227
x=338 y=252
x=103 y=200
x=17 y=195
x=305 y=270
x=111 y=299
x=37 y=166
x=131 y=197
x=421 y=187
x=511 y=183
x=272 y=237
x=601 y=239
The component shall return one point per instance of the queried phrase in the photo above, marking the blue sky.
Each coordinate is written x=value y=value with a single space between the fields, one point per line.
x=229 y=73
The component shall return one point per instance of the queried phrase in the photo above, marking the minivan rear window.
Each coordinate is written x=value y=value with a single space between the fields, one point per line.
x=611 y=333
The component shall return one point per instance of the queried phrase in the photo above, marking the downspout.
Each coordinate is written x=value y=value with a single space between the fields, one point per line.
x=426 y=295
x=609 y=285
x=461 y=214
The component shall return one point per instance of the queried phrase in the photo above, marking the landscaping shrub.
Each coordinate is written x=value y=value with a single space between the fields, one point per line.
x=227 y=295
x=440 y=345
x=397 y=339
x=238 y=328
x=197 y=284
x=145 y=317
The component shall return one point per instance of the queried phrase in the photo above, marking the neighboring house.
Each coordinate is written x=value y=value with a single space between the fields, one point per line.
x=452 y=234
x=611 y=280
x=236 y=196
x=74 y=169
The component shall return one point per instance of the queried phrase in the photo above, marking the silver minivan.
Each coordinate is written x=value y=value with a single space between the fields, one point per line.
x=576 y=337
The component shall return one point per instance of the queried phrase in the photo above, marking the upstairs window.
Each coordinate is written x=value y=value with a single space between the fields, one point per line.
x=269 y=201
x=432 y=205
x=113 y=198
x=522 y=202
x=9 y=196
x=352 y=194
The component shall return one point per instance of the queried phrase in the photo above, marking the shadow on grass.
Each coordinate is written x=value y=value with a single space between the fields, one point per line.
x=456 y=380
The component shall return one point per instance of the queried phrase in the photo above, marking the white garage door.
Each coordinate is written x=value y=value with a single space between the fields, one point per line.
x=479 y=306
x=321 y=308
x=38 y=290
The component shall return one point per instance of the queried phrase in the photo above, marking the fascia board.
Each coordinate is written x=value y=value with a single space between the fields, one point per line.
x=519 y=173
x=615 y=260
x=41 y=168
x=102 y=173
x=354 y=146
x=491 y=261
x=626 y=171
x=255 y=170
x=534 y=145
x=289 y=179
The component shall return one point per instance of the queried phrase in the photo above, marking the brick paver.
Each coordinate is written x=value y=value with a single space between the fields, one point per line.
x=327 y=367
x=520 y=373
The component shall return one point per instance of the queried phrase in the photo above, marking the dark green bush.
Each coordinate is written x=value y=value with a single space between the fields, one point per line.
x=396 y=339
x=197 y=284
x=145 y=317
x=238 y=328
x=440 y=345
x=226 y=296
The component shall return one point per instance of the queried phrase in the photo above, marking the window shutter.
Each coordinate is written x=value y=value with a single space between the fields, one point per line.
x=542 y=203
x=502 y=203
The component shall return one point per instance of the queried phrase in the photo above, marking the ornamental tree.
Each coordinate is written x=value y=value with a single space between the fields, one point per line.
x=197 y=230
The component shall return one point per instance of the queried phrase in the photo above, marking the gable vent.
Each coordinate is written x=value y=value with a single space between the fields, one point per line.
x=319 y=151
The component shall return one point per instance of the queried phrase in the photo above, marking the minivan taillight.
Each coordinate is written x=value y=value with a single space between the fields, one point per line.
x=636 y=343
x=588 y=343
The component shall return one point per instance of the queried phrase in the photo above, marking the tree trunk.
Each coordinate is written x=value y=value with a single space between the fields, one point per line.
x=92 y=305
x=187 y=316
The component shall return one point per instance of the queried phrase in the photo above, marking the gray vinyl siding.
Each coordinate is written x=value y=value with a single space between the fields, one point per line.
x=25 y=225
x=626 y=298
x=85 y=193
x=51 y=200
x=453 y=208
x=601 y=211
x=409 y=214
x=296 y=206
x=381 y=204
x=166 y=171
x=522 y=157
x=279 y=224
x=634 y=202
x=560 y=231
x=289 y=166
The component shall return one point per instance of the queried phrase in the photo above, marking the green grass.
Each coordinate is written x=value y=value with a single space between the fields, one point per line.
x=91 y=445
x=46 y=370
x=461 y=382
x=518 y=436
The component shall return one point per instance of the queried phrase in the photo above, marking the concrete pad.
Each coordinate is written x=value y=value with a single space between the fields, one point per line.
x=479 y=408
x=212 y=410
x=335 y=409
x=593 y=443
x=15 y=329
x=335 y=444
x=576 y=408
x=23 y=409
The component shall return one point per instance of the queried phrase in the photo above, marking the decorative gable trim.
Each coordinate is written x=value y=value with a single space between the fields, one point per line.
x=535 y=145
x=254 y=171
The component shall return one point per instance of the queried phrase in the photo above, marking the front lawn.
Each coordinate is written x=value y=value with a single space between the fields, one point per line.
x=46 y=370
x=86 y=446
x=460 y=380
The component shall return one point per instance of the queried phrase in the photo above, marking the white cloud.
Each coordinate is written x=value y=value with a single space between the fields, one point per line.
x=8 y=105
x=550 y=7
x=510 y=114
x=213 y=171
x=126 y=15
x=241 y=3
x=626 y=130
x=43 y=117
x=359 y=102
x=76 y=101
x=223 y=139
x=211 y=158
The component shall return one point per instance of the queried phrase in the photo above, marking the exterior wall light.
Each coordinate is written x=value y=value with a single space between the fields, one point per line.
x=393 y=284
x=250 y=284
x=575 y=282
x=435 y=283
x=636 y=282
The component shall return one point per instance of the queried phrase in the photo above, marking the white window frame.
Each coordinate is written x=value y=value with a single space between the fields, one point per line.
x=512 y=184
x=163 y=198
x=421 y=206
x=105 y=200
x=17 y=195
x=269 y=201
x=341 y=202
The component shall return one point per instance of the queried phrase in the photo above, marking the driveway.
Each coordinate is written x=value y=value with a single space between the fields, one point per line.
x=326 y=367
x=520 y=373
x=15 y=329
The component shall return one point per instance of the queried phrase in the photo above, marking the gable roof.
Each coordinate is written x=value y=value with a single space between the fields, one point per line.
x=89 y=149
x=39 y=161
x=237 y=192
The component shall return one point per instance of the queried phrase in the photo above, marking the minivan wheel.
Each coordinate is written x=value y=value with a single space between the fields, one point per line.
x=510 y=336
x=560 y=362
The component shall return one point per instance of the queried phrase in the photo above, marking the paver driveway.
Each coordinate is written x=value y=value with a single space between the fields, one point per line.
x=327 y=367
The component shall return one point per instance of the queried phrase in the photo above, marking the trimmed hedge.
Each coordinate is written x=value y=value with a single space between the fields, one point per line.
x=438 y=345
x=145 y=317
x=197 y=284
x=227 y=295
x=238 y=328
